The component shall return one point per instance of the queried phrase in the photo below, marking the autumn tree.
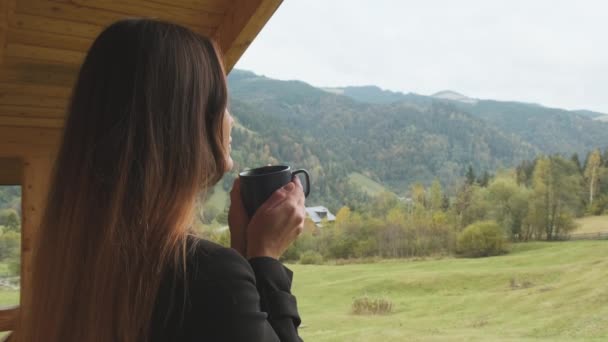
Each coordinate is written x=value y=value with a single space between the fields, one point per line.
x=592 y=174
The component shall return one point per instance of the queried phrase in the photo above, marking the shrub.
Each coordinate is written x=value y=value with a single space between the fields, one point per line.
x=481 y=239
x=311 y=258
x=14 y=267
x=372 y=306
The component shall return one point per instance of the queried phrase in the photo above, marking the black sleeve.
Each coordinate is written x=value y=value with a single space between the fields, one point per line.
x=237 y=304
x=273 y=281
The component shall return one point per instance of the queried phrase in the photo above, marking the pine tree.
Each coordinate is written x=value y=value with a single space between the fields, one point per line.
x=577 y=161
x=484 y=179
x=470 y=176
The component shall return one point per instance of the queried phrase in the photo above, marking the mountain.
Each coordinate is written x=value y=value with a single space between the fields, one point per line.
x=395 y=139
x=453 y=96
x=589 y=113
x=374 y=94
x=551 y=130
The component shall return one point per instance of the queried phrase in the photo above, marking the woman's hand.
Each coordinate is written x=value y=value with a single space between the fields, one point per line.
x=277 y=223
x=237 y=220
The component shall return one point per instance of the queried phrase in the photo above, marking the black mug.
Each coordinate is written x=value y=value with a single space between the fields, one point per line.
x=258 y=184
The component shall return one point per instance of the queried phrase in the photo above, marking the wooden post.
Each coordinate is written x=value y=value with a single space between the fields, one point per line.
x=36 y=176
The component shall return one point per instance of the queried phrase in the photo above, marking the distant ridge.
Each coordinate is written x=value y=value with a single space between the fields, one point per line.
x=453 y=96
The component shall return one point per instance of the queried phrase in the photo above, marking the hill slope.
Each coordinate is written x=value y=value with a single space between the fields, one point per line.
x=396 y=139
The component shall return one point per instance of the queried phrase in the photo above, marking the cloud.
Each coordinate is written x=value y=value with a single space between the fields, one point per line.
x=549 y=52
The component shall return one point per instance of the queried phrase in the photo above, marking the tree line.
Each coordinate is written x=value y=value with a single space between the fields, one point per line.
x=537 y=200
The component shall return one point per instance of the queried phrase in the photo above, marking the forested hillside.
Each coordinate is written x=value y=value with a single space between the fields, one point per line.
x=392 y=138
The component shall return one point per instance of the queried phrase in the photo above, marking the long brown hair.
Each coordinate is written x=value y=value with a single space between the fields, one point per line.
x=142 y=138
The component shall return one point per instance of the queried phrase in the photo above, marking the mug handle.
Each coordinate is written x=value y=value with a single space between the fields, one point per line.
x=307 y=176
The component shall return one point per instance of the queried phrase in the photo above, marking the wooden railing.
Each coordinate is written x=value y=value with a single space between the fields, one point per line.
x=589 y=236
x=8 y=320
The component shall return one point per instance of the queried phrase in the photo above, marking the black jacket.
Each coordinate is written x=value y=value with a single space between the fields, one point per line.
x=224 y=297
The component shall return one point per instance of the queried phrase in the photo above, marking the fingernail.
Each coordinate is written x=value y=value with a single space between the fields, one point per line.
x=289 y=186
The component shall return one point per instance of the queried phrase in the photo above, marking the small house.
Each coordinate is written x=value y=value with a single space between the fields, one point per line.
x=318 y=214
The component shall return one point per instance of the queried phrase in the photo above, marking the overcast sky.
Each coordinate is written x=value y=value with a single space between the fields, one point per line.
x=551 y=52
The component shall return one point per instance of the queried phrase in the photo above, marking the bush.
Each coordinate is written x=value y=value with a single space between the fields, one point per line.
x=372 y=306
x=14 y=267
x=481 y=239
x=311 y=258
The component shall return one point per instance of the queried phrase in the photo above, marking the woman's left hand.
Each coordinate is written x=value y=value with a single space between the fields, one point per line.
x=237 y=220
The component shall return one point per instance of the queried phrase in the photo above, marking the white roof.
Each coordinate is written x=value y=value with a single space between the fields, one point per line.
x=317 y=214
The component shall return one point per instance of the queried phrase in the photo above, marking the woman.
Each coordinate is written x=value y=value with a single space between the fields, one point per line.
x=147 y=131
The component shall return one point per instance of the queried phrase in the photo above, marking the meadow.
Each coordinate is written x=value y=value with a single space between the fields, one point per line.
x=540 y=291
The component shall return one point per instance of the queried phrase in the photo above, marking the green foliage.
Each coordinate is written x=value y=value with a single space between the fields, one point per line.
x=508 y=204
x=311 y=258
x=481 y=239
x=555 y=198
x=222 y=218
x=10 y=219
x=14 y=266
x=10 y=244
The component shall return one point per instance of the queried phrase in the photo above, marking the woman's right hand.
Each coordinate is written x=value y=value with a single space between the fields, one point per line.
x=277 y=223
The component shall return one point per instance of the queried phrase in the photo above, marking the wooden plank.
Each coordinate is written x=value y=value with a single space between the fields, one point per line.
x=44 y=53
x=35 y=89
x=51 y=25
x=33 y=138
x=36 y=176
x=10 y=171
x=20 y=121
x=242 y=24
x=211 y=6
x=14 y=99
x=7 y=8
x=104 y=12
x=68 y=11
x=32 y=71
x=8 y=318
x=49 y=40
x=33 y=112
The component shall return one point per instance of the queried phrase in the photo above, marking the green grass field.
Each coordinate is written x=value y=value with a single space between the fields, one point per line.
x=219 y=199
x=540 y=291
x=368 y=185
x=592 y=224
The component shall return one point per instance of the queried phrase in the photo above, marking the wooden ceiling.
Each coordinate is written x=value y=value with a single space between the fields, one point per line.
x=43 y=42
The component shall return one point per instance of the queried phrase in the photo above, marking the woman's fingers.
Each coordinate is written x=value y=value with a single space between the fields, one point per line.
x=278 y=197
x=235 y=193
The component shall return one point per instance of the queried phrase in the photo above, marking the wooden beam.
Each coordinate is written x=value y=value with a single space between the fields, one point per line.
x=10 y=172
x=241 y=25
